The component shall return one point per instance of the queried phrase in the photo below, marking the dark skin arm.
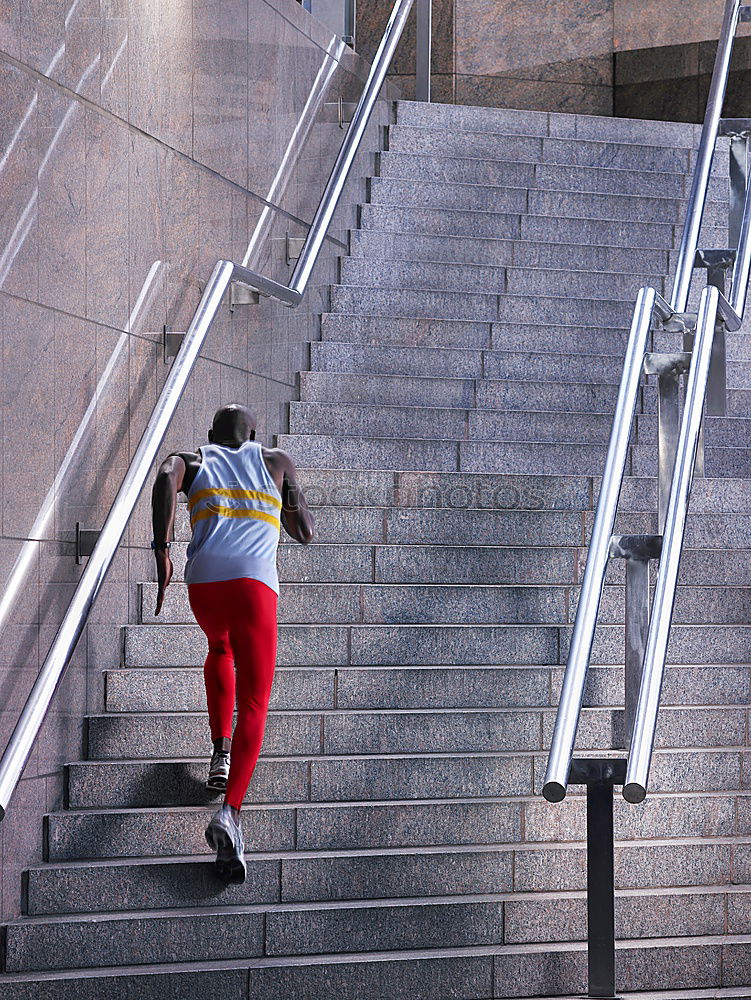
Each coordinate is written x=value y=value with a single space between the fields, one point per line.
x=296 y=517
x=176 y=474
x=170 y=479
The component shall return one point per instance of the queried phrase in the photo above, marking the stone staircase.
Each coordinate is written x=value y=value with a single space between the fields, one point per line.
x=451 y=429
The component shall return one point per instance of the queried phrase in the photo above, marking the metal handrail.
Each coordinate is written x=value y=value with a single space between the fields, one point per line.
x=645 y=720
x=714 y=309
x=225 y=273
x=700 y=183
x=572 y=694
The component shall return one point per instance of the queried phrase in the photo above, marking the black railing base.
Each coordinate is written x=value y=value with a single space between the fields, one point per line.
x=600 y=775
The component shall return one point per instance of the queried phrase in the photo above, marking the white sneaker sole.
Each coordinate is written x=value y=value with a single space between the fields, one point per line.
x=229 y=866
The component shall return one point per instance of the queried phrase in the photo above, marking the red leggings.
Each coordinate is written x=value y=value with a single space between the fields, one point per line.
x=239 y=619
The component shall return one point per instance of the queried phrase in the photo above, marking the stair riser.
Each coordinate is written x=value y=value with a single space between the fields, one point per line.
x=439 y=872
x=459 y=731
x=662 y=137
x=505 y=253
x=464 y=334
x=177 y=690
x=345 y=827
x=243 y=935
x=508 y=394
x=533 y=228
x=458 y=425
x=536 y=974
x=508 y=200
x=602 y=180
x=477 y=278
x=141 y=690
x=557 y=368
x=445 y=604
x=141 y=785
x=487 y=145
x=333 y=645
x=511 y=394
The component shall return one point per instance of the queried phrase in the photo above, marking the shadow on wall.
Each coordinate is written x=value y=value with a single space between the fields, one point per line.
x=672 y=82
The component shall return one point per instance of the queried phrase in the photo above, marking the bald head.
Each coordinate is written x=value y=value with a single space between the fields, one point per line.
x=233 y=425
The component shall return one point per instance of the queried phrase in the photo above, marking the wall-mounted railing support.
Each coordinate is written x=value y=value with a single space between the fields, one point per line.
x=244 y=287
x=600 y=775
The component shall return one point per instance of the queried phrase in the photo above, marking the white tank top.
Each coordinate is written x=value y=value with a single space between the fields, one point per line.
x=235 y=509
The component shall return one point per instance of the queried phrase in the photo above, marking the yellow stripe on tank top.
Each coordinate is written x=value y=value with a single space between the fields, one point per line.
x=219 y=491
x=218 y=511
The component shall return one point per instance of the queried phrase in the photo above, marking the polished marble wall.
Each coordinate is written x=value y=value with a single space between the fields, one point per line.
x=140 y=141
x=581 y=56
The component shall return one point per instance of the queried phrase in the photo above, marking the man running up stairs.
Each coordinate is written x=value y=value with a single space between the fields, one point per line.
x=451 y=431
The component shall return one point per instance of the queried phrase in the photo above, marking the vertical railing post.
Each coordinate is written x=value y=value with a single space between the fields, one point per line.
x=600 y=891
x=599 y=775
x=424 y=47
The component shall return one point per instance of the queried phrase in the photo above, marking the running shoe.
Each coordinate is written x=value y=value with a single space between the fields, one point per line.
x=218 y=771
x=224 y=836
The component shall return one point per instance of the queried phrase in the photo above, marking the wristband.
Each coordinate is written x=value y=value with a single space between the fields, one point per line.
x=162 y=546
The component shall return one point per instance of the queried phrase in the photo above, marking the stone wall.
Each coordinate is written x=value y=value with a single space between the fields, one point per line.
x=140 y=141
x=634 y=58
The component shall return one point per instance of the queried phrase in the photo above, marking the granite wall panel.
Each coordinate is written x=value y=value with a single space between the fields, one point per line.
x=140 y=141
x=578 y=56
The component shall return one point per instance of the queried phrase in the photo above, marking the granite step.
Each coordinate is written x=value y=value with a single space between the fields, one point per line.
x=494 y=491
x=445 y=526
x=144 y=736
x=459 y=334
x=370 y=776
x=661 y=135
x=531 y=228
x=546 y=202
x=504 y=252
x=485 y=393
x=719 y=462
x=122 y=833
x=414 y=331
x=446 y=604
x=561 y=177
x=330 y=387
x=404 y=563
x=43 y=943
x=538 y=149
x=418 y=603
x=165 y=883
x=532 y=458
x=141 y=689
x=505 y=308
x=501 y=971
x=454 y=424
x=545 y=176
x=340 y=645
x=430 y=275
x=478 y=364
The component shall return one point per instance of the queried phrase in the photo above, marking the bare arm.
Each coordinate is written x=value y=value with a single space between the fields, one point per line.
x=296 y=516
x=170 y=479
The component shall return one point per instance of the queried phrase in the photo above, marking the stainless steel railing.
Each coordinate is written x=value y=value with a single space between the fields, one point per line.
x=680 y=445
x=225 y=274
